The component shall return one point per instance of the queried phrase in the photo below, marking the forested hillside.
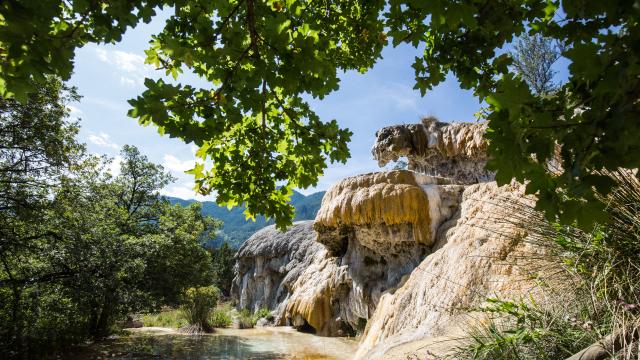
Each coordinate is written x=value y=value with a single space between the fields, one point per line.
x=237 y=228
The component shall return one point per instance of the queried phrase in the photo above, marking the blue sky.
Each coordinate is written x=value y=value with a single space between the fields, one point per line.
x=109 y=75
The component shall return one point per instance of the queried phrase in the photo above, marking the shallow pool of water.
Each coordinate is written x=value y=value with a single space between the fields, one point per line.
x=228 y=344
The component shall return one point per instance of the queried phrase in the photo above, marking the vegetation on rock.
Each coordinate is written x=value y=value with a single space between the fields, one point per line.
x=590 y=286
x=247 y=320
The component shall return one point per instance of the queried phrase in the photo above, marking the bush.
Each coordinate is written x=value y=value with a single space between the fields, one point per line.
x=262 y=313
x=246 y=320
x=197 y=306
x=524 y=330
x=220 y=318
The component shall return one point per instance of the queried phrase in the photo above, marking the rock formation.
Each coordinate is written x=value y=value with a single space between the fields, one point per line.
x=368 y=249
x=396 y=256
x=380 y=202
x=380 y=226
x=270 y=261
x=456 y=152
x=293 y=275
x=473 y=258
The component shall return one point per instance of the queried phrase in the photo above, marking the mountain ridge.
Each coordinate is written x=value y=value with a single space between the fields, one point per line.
x=236 y=229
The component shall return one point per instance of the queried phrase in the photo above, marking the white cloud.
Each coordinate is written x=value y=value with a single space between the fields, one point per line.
x=125 y=61
x=132 y=65
x=173 y=163
x=184 y=191
x=115 y=166
x=106 y=104
x=401 y=96
x=102 y=139
x=127 y=81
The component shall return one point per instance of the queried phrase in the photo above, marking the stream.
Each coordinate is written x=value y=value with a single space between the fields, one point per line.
x=228 y=344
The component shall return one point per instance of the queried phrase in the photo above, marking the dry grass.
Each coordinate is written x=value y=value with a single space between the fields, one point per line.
x=589 y=286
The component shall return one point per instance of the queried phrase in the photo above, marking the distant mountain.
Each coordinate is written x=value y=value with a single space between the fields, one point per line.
x=236 y=229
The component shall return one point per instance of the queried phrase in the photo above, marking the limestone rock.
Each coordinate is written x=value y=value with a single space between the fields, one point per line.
x=367 y=246
x=380 y=227
x=391 y=206
x=473 y=259
x=456 y=152
x=270 y=261
x=400 y=255
x=292 y=274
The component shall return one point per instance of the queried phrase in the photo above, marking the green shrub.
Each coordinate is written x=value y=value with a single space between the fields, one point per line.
x=524 y=330
x=262 y=313
x=247 y=320
x=220 y=319
x=197 y=306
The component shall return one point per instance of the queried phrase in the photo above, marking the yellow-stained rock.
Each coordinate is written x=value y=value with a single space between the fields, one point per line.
x=385 y=198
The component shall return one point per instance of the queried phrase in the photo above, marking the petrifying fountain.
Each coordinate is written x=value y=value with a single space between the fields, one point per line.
x=394 y=256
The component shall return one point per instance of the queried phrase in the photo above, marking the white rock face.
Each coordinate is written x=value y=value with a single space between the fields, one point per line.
x=270 y=262
x=293 y=275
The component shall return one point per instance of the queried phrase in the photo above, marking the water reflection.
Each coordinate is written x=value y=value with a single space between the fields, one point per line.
x=229 y=345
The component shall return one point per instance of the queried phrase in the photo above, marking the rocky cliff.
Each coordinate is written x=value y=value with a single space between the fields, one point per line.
x=475 y=257
x=293 y=275
x=270 y=262
x=398 y=256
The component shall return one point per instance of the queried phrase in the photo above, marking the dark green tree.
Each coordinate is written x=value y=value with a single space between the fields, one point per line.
x=223 y=260
x=261 y=57
x=38 y=148
x=127 y=249
x=79 y=247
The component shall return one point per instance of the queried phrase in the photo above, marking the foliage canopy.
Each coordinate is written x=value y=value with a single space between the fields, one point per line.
x=79 y=247
x=263 y=58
